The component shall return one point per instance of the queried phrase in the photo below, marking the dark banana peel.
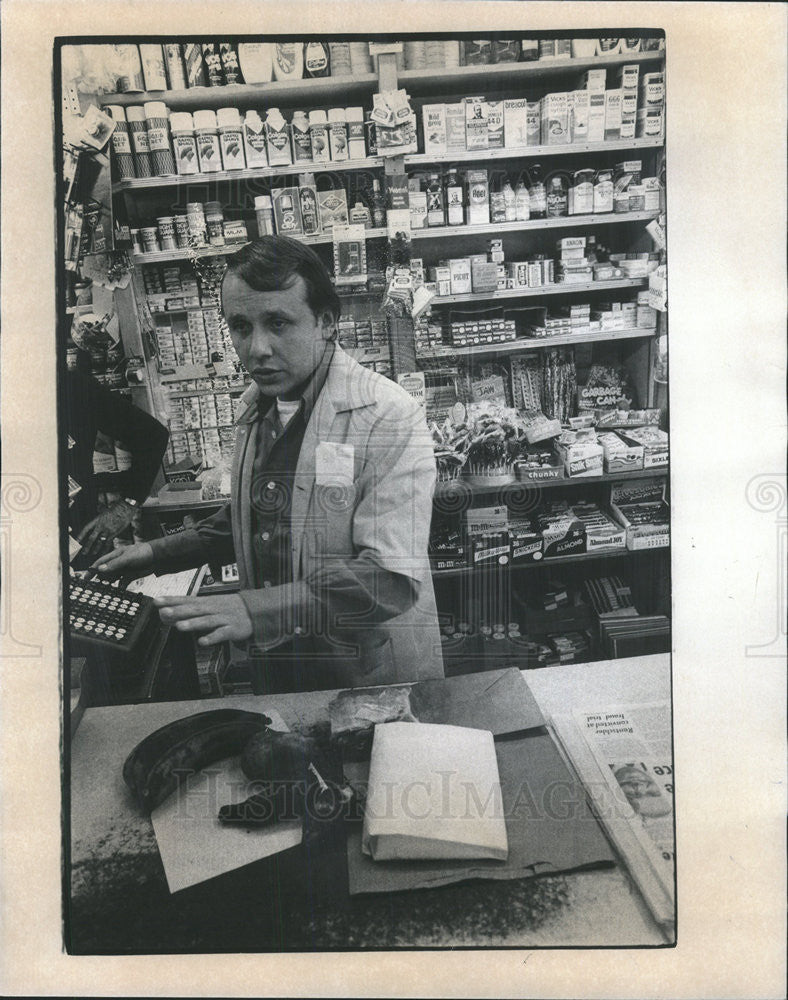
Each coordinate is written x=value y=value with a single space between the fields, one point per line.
x=157 y=765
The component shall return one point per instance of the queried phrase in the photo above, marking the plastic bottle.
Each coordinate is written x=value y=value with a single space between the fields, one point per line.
x=557 y=199
x=537 y=194
x=337 y=134
x=509 y=200
x=207 y=136
x=300 y=138
x=254 y=140
x=378 y=205
x=277 y=135
x=264 y=212
x=318 y=135
x=288 y=60
x=356 y=148
x=231 y=138
x=522 y=203
x=317 y=60
x=436 y=211
x=453 y=194
x=256 y=60
x=184 y=143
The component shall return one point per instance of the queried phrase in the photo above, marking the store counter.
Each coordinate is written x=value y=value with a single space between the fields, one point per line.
x=120 y=903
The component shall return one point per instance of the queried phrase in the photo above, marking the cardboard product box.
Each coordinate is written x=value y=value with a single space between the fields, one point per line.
x=579 y=111
x=643 y=512
x=333 y=208
x=484 y=276
x=495 y=125
x=479 y=519
x=555 y=119
x=562 y=536
x=491 y=548
x=619 y=456
x=476 y=120
x=602 y=532
x=655 y=444
x=539 y=474
x=478 y=197
x=612 y=114
x=594 y=81
x=418 y=209
x=287 y=211
x=649 y=123
x=455 y=127
x=526 y=543
x=441 y=275
x=581 y=453
x=460 y=270
x=433 y=124
x=652 y=90
x=596 y=116
x=515 y=123
x=628 y=77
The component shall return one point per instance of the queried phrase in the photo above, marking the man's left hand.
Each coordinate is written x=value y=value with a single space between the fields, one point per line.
x=222 y=617
x=97 y=535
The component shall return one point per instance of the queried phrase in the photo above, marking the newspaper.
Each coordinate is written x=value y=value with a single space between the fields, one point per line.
x=624 y=758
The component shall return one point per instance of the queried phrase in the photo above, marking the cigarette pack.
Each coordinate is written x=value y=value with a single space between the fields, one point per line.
x=515 y=123
x=434 y=126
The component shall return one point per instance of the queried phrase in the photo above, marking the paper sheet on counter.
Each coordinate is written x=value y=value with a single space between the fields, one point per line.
x=169 y=584
x=193 y=844
x=549 y=826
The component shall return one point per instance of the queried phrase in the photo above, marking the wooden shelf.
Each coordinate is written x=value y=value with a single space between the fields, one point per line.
x=558 y=288
x=459 y=486
x=531 y=152
x=167 y=256
x=278 y=93
x=514 y=73
x=561 y=222
x=250 y=174
x=535 y=343
x=555 y=561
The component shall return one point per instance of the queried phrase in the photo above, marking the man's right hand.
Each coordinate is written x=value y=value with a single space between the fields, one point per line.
x=126 y=560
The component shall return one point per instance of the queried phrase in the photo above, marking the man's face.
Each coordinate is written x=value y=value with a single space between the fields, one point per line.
x=278 y=338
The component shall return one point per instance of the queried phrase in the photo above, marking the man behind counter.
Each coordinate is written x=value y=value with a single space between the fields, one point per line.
x=331 y=498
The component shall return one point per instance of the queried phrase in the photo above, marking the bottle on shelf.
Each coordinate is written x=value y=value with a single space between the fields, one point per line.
x=378 y=205
x=318 y=134
x=231 y=138
x=184 y=143
x=310 y=211
x=453 y=194
x=537 y=194
x=264 y=212
x=206 y=133
x=256 y=61
x=436 y=212
x=522 y=202
x=317 y=59
x=277 y=134
x=557 y=198
x=509 y=201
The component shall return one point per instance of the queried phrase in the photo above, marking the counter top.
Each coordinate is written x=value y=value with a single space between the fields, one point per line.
x=120 y=902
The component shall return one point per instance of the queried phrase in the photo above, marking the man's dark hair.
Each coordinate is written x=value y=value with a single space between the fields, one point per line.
x=272 y=263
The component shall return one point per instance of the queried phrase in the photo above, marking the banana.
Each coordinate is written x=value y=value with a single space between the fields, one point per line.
x=157 y=765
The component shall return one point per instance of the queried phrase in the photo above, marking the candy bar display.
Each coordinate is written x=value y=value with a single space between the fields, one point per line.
x=642 y=510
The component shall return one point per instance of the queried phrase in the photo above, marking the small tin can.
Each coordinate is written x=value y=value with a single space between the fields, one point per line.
x=136 y=241
x=182 y=231
x=166 y=227
x=150 y=240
